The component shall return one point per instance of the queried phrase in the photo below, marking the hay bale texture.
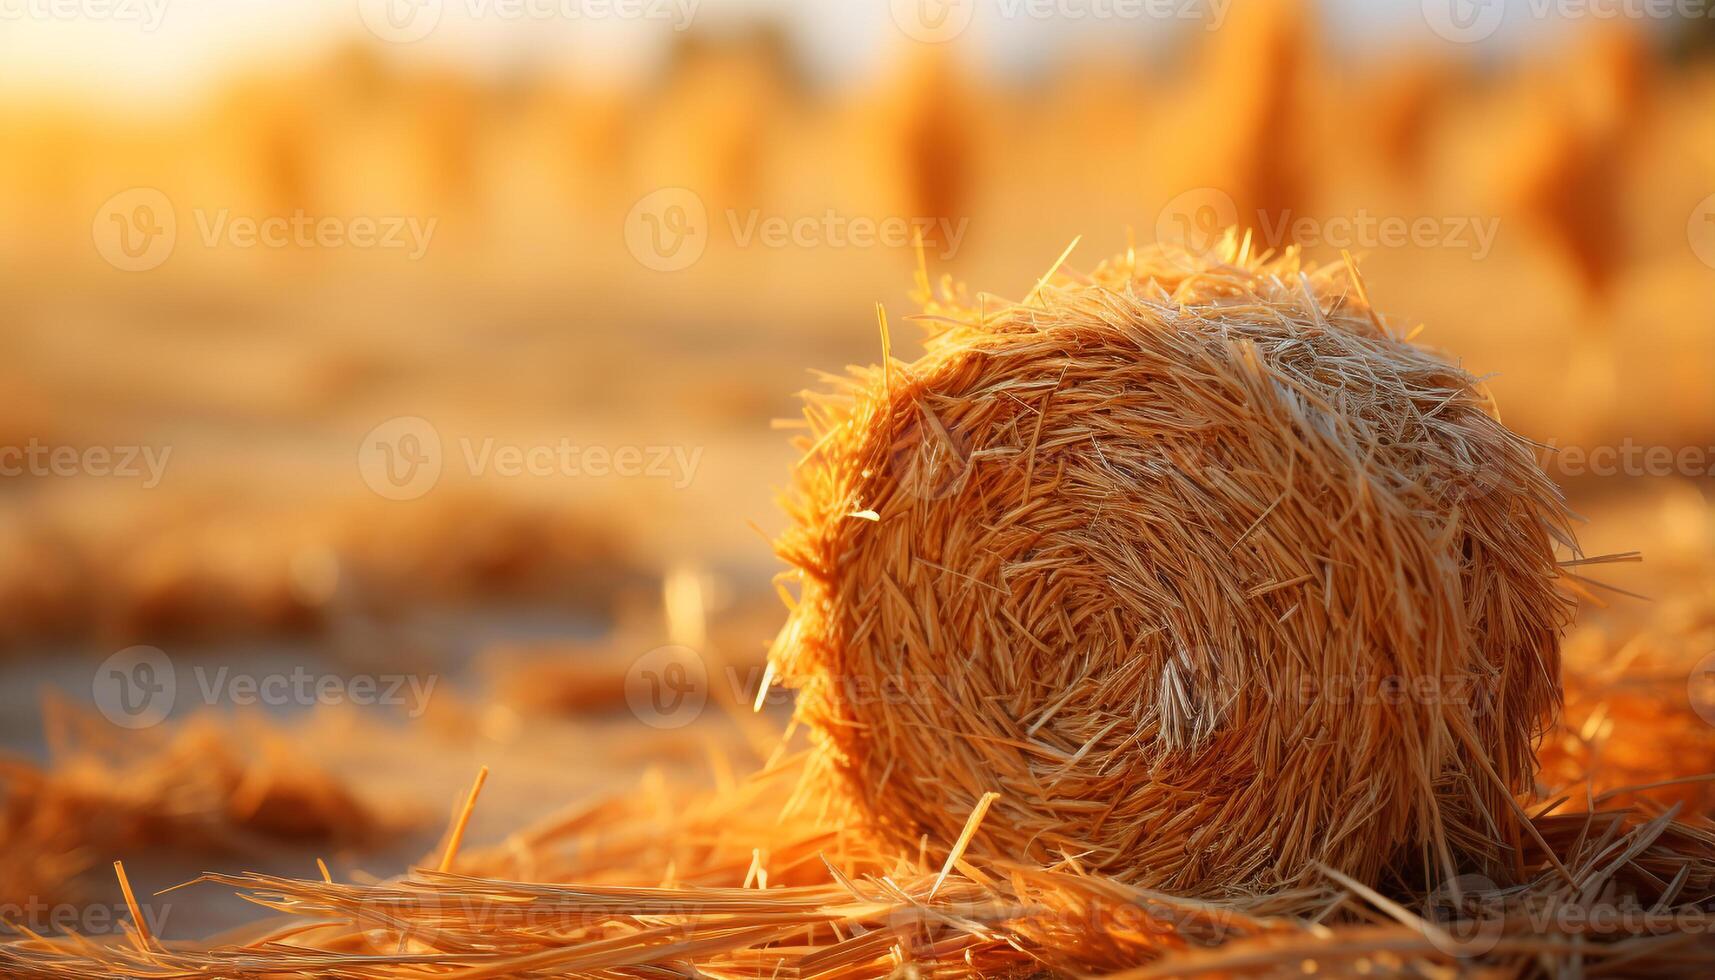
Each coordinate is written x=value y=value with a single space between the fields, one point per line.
x=1194 y=561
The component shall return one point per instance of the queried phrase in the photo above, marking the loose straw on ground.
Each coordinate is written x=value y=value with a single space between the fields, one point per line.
x=145 y=941
x=456 y=837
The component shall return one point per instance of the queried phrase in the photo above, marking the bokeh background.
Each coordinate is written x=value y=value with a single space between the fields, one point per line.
x=442 y=341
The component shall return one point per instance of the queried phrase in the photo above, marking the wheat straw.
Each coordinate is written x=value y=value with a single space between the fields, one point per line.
x=1202 y=570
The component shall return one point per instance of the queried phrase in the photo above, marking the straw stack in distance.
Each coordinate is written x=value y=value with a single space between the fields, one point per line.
x=1204 y=570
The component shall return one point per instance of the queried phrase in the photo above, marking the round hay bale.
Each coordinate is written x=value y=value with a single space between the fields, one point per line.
x=1194 y=562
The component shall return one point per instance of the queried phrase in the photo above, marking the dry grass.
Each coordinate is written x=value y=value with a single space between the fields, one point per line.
x=190 y=789
x=205 y=568
x=660 y=884
x=1194 y=562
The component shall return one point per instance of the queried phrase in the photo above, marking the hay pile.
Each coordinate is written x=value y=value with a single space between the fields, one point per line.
x=1201 y=568
x=208 y=786
x=208 y=568
x=662 y=883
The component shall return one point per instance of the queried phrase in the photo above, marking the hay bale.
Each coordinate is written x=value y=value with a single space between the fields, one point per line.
x=1194 y=562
